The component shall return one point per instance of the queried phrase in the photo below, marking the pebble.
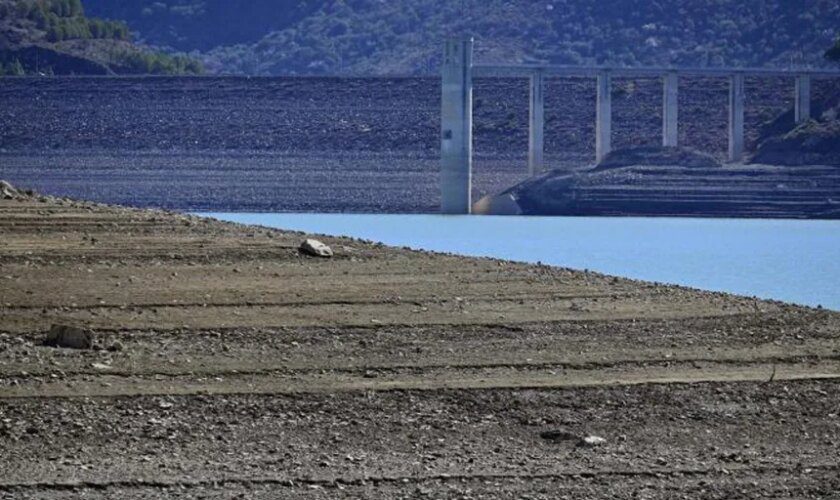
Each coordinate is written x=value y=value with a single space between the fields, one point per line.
x=591 y=441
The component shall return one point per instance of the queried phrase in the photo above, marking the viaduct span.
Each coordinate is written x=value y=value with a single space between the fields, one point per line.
x=458 y=72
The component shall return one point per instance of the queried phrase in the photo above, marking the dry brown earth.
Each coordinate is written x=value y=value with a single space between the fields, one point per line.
x=227 y=364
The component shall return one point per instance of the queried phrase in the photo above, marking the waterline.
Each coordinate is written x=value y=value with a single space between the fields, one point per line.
x=790 y=260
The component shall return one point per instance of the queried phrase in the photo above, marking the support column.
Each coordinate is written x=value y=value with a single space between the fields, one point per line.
x=536 y=124
x=456 y=127
x=603 y=117
x=736 y=117
x=802 y=108
x=670 y=85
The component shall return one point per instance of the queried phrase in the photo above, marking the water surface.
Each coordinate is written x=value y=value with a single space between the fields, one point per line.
x=791 y=260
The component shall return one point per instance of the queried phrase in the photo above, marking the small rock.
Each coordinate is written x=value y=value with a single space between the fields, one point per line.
x=116 y=346
x=7 y=191
x=592 y=441
x=71 y=337
x=315 y=248
x=558 y=435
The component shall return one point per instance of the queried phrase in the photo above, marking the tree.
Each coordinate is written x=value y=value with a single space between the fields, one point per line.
x=15 y=68
x=97 y=28
x=24 y=8
x=55 y=33
x=41 y=19
x=59 y=7
x=75 y=7
x=833 y=54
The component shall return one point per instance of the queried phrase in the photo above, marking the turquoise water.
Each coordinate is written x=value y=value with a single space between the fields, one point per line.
x=791 y=260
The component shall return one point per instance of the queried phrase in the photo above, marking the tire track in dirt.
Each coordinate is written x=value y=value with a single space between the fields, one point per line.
x=288 y=481
x=386 y=372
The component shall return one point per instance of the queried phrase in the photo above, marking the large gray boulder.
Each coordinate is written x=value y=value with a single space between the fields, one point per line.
x=315 y=248
x=502 y=204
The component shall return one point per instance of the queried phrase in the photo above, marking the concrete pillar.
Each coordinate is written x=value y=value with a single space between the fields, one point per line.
x=456 y=127
x=603 y=117
x=536 y=124
x=670 y=84
x=802 y=108
x=736 y=117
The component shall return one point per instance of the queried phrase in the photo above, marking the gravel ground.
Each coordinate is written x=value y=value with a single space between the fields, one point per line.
x=225 y=364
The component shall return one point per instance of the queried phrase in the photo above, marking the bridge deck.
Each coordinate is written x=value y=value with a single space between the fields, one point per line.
x=523 y=70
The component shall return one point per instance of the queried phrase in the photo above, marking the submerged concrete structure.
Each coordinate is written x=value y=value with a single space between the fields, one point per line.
x=456 y=109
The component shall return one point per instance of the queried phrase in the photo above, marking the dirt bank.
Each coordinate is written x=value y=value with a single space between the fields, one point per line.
x=357 y=144
x=226 y=363
x=670 y=181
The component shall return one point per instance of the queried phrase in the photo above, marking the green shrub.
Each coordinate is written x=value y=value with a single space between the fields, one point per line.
x=65 y=20
x=137 y=62
x=15 y=68
x=55 y=33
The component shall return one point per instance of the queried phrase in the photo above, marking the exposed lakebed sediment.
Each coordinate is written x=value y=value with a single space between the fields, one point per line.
x=331 y=144
x=228 y=363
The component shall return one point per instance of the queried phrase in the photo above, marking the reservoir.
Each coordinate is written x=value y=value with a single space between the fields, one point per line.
x=790 y=260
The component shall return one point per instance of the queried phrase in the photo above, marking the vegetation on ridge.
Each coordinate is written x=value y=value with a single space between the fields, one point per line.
x=55 y=36
x=283 y=37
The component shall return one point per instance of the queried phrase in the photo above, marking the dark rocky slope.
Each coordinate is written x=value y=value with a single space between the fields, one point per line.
x=676 y=182
x=811 y=143
x=814 y=142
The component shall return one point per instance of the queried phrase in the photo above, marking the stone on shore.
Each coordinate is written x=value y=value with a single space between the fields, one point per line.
x=592 y=441
x=70 y=337
x=7 y=191
x=315 y=248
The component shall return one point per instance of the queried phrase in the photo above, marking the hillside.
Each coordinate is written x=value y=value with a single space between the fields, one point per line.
x=203 y=25
x=56 y=37
x=404 y=36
